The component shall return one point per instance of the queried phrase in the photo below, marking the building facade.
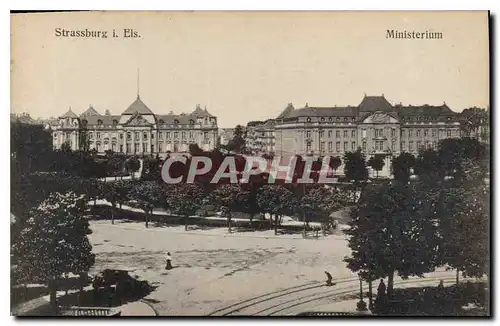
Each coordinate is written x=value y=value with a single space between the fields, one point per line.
x=375 y=126
x=260 y=137
x=137 y=131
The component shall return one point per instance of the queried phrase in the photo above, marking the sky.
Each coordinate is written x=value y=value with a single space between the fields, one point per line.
x=245 y=66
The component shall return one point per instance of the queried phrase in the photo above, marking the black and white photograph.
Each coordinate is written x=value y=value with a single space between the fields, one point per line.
x=250 y=163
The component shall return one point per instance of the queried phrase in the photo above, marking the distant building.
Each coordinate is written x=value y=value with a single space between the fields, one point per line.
x=260 y=136
x=137 y=130
x=23 y=118
x=375 y=126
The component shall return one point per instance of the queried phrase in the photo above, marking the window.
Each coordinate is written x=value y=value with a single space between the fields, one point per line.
x=322 y=119
x=330 y=146
x=129 y=135
x=393 y=146
x=160 y=147
x=321 y=133
x=345 y=119
x=136 y=147
x=98 y=134
x=129 y=150
x=308 y=134
x=364 y=146
x=419 y=144
x=410 y=133
x=152 y=148
x=330 y=119
x=144 y=147
x=337 y=134
x=168 y=135
x=191 y=135
x=90 y=135
x=115 y=122
x=121 y=148
x=322 y=146
x=176 y=122
x=448 y=133
x=183 y=135
x=176 y=135
x=345 y=133
x=434 y=133
x=145 y=135
x=161 y=121
x=308 y=119
x=418 y=132
x=191 y=122
x=363 y=133
x=427 y=145
x=426 y=132
x=152 y=136
x=345 y=146
x=353 y=133
x=337 y=146
x=120 y=135
x=410 y=146
x=136 y=135
x=160 y=135
x=403 y=145
x=308 y=147
x=99 y=122
x=329 y=134
x=403 y=133
x=393 y=132
x=353 y=146
x=379 y=145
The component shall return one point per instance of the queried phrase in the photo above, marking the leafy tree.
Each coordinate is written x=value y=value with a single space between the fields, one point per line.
x=132 y=165
x=195 y=150
x=319 y=202
x=54 y=242
x=471 y=121
x=463 y=227
x=401 y=167
x=111 y=193
x=151 y=170
x=146 y=195
x=393 y=229
x=237 y=144
x=428 y=162
x=184 y=199
x=335 y=163
x=123 y=188
x=277 y=201
x=30 y=147
x=355 y=166
x=66 y=147
x=377 y=163
x=227 y=197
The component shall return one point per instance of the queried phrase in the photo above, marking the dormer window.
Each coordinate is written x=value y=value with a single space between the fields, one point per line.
x=345 y=119
x=322 y=119
x=176 y=122
x=308 y=119
x=330 y=119
x=84 y=122
x=115 y=122
x=99 y=122
x=162 y=121
x=191 y=121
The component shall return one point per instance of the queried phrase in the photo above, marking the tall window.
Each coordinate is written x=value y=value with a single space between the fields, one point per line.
x=418 y=132
x=345 y=146
x=322 y=146
x=308 y=134
x=168 y=135
x=160 y=135
x=353 y=133
x=353 y=146
x=403 y=133
x=364 y=146
x=410 y=133
x=337 y=146
x=330 y=146
x=329 y=134
x=345 y=133
x=434 y=133
x=419 y=144
x=448 y=133
x=403 y=145
x=308 y=146
x=363 y=133
x=337 y=133
x=98 y=134
x=176 y=135
x=136 y=135
x=145 y=135
x=410 y=146
x=426 y=132
x=129 y=135
x=160 y=147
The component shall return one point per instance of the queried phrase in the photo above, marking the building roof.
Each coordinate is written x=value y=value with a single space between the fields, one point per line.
x=201 y=113
x=286 y=112
x=184 y=119
x=429 y=110
x=308 y=111
x=138 y=106
x=69 y=114
x=375 y=103
x=89 y=112
x=106 y=119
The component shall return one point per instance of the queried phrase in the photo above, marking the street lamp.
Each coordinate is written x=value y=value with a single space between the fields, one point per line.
x=361 y=305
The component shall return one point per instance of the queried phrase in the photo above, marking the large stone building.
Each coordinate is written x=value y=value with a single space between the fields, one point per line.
x=375 y=126
x=137 y=130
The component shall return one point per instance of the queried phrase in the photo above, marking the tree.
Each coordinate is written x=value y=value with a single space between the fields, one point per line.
x=393 y=229
x=195 y=150
x=319 y=202
x=471 y=121
x=54 y=242
x=335 y=163
x=377 y=163
x=237 y=144
x=464 y=221
x=123 y=188
x=276 y=201
x=66 y=147
x=132 y=165
x=428 y=163
x=401 y=167
x=184 y=199
x=355 y=166
x=111 y=193
x=151 y=170
x=227 y=197
x=146 y=195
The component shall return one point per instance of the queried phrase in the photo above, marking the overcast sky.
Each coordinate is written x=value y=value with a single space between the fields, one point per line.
x=246 y=66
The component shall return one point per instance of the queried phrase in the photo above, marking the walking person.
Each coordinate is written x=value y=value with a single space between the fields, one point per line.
x=168 y=259
x=329 y=279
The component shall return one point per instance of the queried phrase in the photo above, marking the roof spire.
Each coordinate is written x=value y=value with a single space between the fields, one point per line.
x=137 y=82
